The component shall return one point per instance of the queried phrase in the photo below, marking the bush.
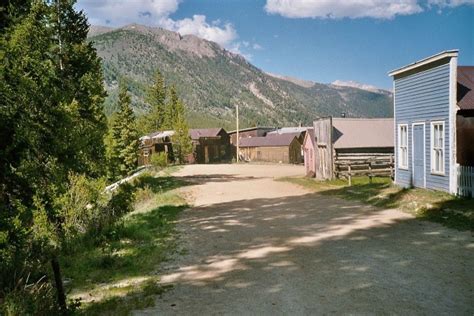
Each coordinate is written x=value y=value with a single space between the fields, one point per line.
x=159 y=160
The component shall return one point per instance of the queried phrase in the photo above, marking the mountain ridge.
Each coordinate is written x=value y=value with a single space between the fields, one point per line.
x=212 y=80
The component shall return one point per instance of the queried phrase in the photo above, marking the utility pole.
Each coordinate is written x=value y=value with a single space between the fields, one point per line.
x=237 y=125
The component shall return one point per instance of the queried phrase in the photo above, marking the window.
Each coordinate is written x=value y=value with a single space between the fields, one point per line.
x=437 y=147
x=403 y=146
x=146 y=152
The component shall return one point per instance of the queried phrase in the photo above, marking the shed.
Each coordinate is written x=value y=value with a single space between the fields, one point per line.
x=210 y=145
x=283 y=148
x=350 y=139
x=434 y=126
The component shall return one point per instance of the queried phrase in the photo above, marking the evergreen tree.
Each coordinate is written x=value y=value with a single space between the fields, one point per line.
x=51 y=124
x=183 y=145
x=125 y=136
x=156 y=98
x=170 y=114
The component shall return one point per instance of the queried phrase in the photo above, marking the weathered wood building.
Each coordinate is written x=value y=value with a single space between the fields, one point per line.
x=434 y=124
x=308 y=153
x=283 y=148
x=340 y=141
x=153 y=143
x=210 y=145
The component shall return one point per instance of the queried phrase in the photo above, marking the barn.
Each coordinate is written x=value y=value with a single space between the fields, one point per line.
x=284 y=148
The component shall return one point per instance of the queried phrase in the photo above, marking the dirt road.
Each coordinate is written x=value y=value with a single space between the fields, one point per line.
x=258 y=246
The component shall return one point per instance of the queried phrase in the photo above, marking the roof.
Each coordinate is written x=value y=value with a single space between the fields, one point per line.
x=274 y=141
x=424 y=61
x=363 y=133
x=266 y=128
x=465 y=90
x=157 y=135
x=197 y=133
x=291 y=130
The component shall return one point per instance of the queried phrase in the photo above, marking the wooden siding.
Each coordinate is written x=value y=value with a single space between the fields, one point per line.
x=283 y=154
x=323 y=148
x=423 y=97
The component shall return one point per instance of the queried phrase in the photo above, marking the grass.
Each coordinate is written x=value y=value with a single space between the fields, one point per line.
x=431 y=205
x=120 y=274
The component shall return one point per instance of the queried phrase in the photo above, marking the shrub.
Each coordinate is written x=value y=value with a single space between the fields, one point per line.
x=159 y=160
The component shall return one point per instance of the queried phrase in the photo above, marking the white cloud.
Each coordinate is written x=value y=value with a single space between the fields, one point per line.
x=156 y=13
x=382 y=9
x=257 y=46
x=121 y=12
x=222 y=34
x=337 y=9
x=449 y=3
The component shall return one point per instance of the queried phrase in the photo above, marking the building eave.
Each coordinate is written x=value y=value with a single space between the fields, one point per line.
x=425 y=61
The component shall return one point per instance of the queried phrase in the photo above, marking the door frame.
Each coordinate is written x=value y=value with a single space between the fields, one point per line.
x=413 y=150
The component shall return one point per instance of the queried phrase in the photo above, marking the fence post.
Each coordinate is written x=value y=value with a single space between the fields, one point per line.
x=350 y=174
x=370 y=172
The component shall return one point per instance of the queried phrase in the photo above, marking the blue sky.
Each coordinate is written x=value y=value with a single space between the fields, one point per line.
x=318 y=40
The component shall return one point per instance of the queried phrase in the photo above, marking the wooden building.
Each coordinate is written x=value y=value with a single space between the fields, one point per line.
x=340 y=141
x=153 y=143
x=283 y=148
x=210 y=145
x=308 y=153
x=434 y=124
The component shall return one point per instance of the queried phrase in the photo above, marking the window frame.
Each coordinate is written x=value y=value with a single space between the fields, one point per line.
x=442 y=171
x=399 y=147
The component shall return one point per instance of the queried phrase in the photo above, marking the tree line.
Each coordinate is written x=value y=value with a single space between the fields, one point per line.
x=57 y=150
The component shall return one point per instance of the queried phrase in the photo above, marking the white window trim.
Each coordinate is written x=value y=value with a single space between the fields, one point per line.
x=413 y=150
x=443 y=171
x=400 y=160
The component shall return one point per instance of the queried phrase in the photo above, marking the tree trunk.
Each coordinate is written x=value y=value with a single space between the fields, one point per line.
x=59 y=285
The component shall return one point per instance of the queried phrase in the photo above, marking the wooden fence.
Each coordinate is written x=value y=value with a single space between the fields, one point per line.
x=466 y=181
x=364 y=165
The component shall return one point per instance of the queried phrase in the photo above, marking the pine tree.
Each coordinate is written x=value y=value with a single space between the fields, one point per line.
x=125 y=136
x=170 y=114
x=183 y=145
x=52 y=124
x=156 y=98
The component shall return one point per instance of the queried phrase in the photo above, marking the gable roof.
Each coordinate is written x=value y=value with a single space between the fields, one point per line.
x=274 y=141
x=197 y=133
x=465 y=90
x=363 y=133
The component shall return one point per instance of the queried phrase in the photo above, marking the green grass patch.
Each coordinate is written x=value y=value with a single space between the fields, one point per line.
x=431 y=205
x=120 y=274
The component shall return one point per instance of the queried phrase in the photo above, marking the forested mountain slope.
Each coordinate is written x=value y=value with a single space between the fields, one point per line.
x=211 y=80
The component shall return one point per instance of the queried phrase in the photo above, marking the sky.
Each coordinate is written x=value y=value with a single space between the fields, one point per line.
x=317 y=40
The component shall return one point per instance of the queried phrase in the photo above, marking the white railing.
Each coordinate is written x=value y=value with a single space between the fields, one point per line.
x=466 y=181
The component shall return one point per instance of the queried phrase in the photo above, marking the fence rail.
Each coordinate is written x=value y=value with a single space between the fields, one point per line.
x=348 y=167
x=466 y=181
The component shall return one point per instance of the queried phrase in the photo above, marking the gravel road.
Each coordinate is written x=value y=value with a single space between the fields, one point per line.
x=258 y=246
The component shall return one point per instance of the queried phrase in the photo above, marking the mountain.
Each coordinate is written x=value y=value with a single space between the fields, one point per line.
x=358 y=85
x=212 y=80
